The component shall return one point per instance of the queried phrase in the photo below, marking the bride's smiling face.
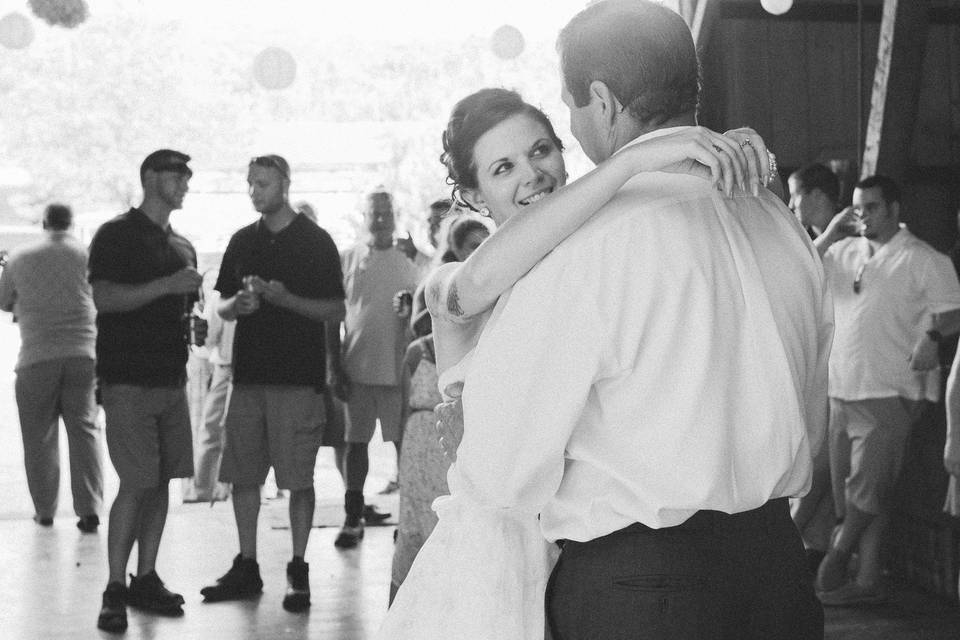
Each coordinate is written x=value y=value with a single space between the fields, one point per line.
x=517 y=163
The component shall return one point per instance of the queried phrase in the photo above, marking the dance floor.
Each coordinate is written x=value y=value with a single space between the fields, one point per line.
x=52 y=578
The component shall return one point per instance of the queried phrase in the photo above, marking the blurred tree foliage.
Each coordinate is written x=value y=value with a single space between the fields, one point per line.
x=80 y=108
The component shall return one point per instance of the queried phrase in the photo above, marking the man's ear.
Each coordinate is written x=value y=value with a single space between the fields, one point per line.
x=895 y=209
x=606 y=103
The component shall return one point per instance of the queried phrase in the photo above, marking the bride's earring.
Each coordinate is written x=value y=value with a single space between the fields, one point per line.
x=485 y=212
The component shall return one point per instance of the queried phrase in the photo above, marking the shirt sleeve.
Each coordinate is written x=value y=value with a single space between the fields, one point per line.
x=228 y=282
x=329 y=271
x=108 y=259
x=527 y=387
x=940 y=285
x=817 y=403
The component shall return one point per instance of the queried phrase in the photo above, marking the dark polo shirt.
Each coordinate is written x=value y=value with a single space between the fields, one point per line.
x=274 y=345
x=145 y=346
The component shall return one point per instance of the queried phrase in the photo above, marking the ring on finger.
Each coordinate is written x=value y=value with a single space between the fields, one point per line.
x=746 y=143
x=717 y=148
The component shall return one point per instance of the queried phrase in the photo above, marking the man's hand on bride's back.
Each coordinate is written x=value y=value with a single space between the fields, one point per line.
x=450 y=422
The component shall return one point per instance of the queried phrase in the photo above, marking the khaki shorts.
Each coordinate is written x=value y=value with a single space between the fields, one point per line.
x=867 y=440
x=148 y=433
x=335 y=427
x=367 y=404
x=272 y=425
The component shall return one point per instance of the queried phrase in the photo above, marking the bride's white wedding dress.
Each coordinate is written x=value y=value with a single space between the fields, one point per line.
x=482 y=573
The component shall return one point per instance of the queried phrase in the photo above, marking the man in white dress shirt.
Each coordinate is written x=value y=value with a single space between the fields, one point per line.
x=663 y=368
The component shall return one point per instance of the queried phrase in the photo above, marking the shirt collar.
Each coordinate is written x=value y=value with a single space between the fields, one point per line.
x=656 y=133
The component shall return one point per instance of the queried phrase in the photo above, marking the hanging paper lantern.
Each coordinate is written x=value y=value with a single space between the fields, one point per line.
x=274 y=68
x=507 y=42
x=777 y=7
x=16 y=31
x=62 y=13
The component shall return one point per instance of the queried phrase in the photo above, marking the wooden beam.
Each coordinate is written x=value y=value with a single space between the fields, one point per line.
x=704 y=19
x=896 y=88
x=826 y=11
x=700 y=16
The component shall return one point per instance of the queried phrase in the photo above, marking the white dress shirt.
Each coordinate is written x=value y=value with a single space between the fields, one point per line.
x=670 y=356
x=904 y=282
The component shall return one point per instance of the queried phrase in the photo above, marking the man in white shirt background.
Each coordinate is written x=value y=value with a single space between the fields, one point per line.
x=895 y=297
x=662 y=369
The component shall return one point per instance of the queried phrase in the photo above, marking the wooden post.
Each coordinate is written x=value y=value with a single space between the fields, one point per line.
x=896 y=88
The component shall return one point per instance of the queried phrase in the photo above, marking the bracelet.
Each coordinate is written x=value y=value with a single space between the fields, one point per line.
x=772 y=166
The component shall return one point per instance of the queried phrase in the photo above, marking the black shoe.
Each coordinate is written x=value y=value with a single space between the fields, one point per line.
x=113 y=613
x=351 y=533
x=148 y=593
x=297 y=597
x=372 y=516
x=88 y=524
x=43 y=522
x=242 y=581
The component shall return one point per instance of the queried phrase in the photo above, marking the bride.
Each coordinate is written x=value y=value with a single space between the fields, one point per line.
x=483 y=571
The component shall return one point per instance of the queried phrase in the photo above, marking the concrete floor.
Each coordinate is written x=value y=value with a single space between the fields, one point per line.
x=52 y=578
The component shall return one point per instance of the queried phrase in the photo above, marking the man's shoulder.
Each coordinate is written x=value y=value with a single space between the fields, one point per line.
x=244 y=236
x=24 y=251
x=118 y=221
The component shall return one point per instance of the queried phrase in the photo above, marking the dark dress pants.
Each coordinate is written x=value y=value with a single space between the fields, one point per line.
x=714 y=577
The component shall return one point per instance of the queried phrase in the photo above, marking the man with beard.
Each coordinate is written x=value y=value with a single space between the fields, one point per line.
x=280 y=280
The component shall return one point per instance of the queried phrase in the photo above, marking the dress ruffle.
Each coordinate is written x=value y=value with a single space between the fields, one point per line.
x=481 y=575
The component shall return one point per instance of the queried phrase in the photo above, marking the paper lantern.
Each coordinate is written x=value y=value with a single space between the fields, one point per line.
x=507 y=42
x=16 y=31
x=274 y=68
x=777 y=7
x=62 y=13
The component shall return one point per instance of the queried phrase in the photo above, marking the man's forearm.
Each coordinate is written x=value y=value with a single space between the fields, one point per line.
x=332 y=343
x=113 y=297
x=227 y=309
x=320 y=310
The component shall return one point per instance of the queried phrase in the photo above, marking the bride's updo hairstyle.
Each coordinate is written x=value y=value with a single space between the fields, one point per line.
x=471 y=118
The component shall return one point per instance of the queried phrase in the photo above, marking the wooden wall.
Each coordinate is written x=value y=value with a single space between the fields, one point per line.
x=795 y=79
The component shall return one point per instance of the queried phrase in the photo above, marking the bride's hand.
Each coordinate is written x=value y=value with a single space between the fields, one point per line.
x=759 y=161
x=704 y=153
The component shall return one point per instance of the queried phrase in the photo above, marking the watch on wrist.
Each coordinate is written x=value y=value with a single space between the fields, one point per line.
x=935 y=336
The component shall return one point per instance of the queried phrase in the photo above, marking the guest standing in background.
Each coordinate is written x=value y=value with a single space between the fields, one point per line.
x=45 y=285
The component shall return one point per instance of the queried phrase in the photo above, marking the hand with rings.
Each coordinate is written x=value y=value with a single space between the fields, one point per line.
x=722 y=158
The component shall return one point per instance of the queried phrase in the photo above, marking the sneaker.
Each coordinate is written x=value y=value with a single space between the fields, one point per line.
x=853 y=594
x=242 y=581
x=350 y=535
x=88 y=524
x=148 y=593
x=113 y=613
x=372 y=516
x=297 y=597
